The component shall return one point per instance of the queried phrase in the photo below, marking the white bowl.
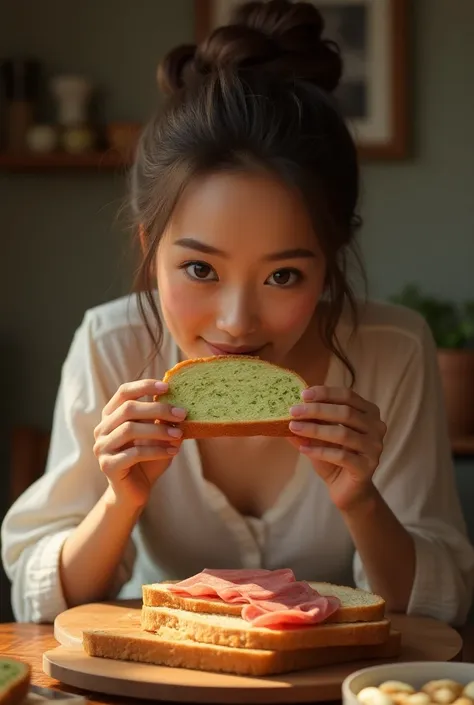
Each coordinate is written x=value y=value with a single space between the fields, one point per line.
x=416 y=673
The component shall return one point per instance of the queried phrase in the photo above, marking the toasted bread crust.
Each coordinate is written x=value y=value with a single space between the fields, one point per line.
x=153 y=596
x=149 y=648
x=218 y=358
x=190 y=625
x=211 y=429
x=158 y=596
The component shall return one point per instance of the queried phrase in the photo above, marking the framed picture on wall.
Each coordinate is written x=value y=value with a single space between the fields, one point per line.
x=372 y=36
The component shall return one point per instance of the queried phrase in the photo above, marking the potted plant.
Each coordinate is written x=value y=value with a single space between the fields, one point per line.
x=452 y=326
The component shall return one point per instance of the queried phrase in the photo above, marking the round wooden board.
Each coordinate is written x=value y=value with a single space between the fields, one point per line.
x=422 y=639
x=68 y=625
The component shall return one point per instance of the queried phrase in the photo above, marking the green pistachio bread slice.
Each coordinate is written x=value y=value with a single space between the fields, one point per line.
x=14 y=681
x=233 y=395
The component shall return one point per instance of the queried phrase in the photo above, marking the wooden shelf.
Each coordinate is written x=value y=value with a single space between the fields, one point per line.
x=98 y=161
x=463 y=446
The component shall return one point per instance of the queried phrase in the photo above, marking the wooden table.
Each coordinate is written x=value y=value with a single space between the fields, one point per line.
x=28 y=642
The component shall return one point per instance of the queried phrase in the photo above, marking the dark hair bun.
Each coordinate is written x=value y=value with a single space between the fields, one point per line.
x=279 y=36
x=172 y=69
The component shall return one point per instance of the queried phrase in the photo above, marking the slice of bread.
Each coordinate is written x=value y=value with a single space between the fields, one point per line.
x=135 y=645
x=14 y=681
x=234 y=631
x=356 y=605
x=233 y=395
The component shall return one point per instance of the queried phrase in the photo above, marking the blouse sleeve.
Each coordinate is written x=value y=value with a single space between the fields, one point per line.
x=38 y=523
x=416 y=478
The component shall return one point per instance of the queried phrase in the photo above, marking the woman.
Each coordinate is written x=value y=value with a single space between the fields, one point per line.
x=245 y=193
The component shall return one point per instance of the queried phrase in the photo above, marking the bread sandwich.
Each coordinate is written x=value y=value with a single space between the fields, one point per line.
x=213 y=621
x=233 y=395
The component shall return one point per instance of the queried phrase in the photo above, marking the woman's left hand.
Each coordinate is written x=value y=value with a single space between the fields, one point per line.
x=342 y=434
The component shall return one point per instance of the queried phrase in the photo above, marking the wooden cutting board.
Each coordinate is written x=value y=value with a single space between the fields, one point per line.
x=422 y=639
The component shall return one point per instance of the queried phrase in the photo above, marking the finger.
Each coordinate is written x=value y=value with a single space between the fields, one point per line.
x=130 y=431
x=337 y=395
x=340 y=395
x=112 y=465
x=332 y=413
x=337 y=435
x=357 y=464
x=132 y=410
x=134 y=390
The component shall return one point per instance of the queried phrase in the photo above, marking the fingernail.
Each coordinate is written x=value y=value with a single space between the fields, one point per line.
x=172 y=451
x=296 y=426
x=175 y=432
x=179 y=413
x=308 y=394
x=161 y=386
x=297 y=410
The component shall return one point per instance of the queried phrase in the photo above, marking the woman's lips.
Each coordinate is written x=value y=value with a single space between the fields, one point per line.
x=227 y=350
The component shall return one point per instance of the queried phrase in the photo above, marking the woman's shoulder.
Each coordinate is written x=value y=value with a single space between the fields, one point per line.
x=388 y=340
x=117 y=333
x=387 y=321
x=114 y=316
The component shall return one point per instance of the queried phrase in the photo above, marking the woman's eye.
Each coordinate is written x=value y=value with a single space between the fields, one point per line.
x=284 y=277
x=199 y=271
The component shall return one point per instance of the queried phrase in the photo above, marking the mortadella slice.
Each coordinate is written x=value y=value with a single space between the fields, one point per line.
x=269 y=598
x=235 y=586
x=275 y=615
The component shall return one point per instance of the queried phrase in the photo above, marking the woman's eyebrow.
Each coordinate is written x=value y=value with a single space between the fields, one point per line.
x=294 y=253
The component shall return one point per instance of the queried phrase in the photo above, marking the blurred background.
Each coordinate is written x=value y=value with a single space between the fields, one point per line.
x=79 y=79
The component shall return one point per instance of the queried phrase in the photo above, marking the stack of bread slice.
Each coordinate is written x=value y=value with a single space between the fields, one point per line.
x=210 y=634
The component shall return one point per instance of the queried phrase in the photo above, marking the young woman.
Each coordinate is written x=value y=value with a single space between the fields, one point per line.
x=245 y=194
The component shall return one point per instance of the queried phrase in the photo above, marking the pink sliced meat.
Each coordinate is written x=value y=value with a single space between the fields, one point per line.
x=235 y=586
x=270 y=598
x=276 y=615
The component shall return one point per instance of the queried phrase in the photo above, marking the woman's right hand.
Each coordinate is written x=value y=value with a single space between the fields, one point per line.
x=127 y=439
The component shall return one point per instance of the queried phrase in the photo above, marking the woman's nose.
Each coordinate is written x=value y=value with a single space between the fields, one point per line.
x=238 y=315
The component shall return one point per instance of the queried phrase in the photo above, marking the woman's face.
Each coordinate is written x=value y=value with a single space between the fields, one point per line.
x=239 y=268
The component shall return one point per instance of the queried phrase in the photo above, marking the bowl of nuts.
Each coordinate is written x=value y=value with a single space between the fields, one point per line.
x=412 y=683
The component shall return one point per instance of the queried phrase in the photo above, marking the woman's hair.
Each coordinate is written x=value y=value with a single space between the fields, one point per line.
x=254 y=96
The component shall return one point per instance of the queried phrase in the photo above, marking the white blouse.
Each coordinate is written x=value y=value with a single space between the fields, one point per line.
x=189 y=524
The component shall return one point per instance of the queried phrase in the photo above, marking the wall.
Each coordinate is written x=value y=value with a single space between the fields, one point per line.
x=419 y=214
x=64 y=250
x=63 y=247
